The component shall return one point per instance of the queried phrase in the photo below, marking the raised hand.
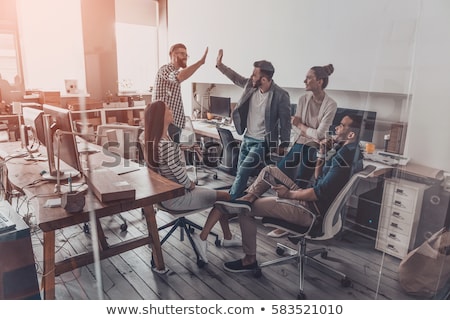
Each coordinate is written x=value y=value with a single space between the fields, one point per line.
x=203 y=59
x=219 y=57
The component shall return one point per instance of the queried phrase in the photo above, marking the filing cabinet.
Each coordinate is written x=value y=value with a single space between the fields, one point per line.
x=400 y=213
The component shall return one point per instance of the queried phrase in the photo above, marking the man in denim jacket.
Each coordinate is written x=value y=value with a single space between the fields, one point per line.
x=262 y=115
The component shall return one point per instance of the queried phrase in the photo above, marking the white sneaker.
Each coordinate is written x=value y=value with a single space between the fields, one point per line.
x=233 y=242
x=202 y=247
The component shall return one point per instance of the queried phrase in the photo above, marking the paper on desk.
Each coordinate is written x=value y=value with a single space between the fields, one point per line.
x=53 y=203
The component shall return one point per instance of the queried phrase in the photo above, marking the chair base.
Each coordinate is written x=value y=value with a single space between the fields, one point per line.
x=205 y=169
x=206 y=165
x=187 y=227
x=302 y=258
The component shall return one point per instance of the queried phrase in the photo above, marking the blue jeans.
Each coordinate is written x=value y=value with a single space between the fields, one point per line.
x=299 y=163
x=251 y=155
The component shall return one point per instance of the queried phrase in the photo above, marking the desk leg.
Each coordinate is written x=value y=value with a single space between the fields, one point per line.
x=150 y=217
x=48 y=277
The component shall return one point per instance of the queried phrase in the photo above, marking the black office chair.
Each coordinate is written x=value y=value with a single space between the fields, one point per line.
x=187 y=227
x=321 y=229
x=230 y=151
x=209 y=150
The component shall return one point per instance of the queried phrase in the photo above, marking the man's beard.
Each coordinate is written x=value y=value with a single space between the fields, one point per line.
x=183 y=64
x=257 y=84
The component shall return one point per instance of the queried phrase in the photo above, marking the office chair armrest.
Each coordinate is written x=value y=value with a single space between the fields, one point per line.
x=367 y=171
x=211 y=144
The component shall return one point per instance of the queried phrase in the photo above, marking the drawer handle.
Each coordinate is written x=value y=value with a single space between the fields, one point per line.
x=401 y=192
x=391 y=247
x=393 y=224
x=397 y=214
x=392 y=236
x=399 y=204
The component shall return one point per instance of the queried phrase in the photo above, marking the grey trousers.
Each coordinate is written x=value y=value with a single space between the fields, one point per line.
x=270 y=207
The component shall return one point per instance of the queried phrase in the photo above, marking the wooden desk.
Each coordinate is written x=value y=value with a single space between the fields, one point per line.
x=206 y=129
x=150 y=189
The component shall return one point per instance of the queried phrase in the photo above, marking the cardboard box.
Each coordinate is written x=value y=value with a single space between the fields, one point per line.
x=50 y=97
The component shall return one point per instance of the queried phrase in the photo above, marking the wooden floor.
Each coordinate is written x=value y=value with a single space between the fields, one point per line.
x=129 y=275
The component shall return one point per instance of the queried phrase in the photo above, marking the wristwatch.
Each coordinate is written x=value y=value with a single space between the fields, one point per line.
x=320 y=155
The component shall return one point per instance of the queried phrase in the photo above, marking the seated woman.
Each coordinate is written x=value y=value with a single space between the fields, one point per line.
x=164 y=155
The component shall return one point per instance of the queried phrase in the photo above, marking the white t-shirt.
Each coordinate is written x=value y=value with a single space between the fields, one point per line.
x=256 y=127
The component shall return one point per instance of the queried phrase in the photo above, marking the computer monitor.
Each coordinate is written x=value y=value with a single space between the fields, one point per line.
x=367 y=125
x=33 y=120
x=68 y=152
x=220 y=106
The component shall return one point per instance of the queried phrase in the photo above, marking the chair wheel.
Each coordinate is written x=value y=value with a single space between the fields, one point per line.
x=217 y=243
x=301 y=296
x=215 y=176
x=200 y=263
x=280 y=251
x=152 y=263
x=346 y=282
x=86 y=228
x=123 y=227
x=257 y=273
x=324 y=254
x=196 y=182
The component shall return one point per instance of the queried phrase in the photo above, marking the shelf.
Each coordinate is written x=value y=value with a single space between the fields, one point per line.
x=99 y=116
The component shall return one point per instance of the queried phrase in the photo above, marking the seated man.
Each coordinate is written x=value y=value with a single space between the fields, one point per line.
x=333 y=170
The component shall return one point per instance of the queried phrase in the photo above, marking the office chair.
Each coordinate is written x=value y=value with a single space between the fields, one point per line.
x=209 y=151
x=230 y=151
x=123 y=140
x=326 y=229
x=120 y=139
x=187 y=227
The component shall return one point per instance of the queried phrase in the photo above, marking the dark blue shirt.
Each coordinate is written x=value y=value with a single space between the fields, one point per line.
x=335 y=174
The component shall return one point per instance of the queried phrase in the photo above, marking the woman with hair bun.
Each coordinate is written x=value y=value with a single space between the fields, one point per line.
x=313 y=118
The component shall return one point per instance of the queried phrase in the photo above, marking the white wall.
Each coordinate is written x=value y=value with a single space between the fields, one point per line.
x=368 y=42
x=389 y=56
x=428 y=139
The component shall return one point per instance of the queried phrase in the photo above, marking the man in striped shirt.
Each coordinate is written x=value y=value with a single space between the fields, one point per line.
x=168 y=83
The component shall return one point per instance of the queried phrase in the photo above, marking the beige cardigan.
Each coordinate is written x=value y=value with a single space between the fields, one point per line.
x=316 y=126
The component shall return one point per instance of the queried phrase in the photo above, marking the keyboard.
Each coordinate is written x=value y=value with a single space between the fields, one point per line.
x=6 y=224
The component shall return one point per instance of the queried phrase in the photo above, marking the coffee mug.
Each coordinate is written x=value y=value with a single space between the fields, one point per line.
x=370 y=147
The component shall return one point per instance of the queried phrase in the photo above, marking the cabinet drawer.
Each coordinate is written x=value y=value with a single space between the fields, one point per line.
x=399 y=215
x=399 y=227
x=393 y=248
x=399 y=219
x=405 y=204
x=401 y=197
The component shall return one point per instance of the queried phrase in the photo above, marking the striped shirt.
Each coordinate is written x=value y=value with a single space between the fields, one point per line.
x=171 y=164
x=168 y=89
